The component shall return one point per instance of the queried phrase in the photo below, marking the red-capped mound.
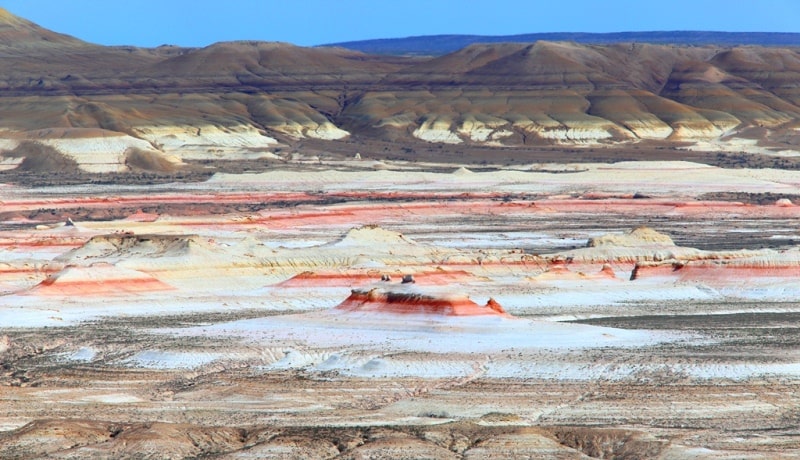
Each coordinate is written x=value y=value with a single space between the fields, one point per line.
x=415 y=303
x=328 y=279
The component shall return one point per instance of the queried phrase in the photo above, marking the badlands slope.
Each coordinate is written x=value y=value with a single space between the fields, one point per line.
x=125 y=109
x=548 y=311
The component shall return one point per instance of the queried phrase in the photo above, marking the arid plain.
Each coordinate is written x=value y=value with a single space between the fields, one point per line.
x=257 y=250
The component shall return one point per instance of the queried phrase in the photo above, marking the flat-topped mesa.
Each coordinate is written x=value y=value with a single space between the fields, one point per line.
x=408 y=302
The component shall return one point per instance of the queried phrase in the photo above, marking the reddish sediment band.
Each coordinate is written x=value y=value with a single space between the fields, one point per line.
x=716 y=270
x=98 y=280
x=361 y=278
x=560 y=272
x=266 y=210
x=100 y=288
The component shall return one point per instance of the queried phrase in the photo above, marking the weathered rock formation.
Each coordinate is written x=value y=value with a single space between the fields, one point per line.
x=404 y=301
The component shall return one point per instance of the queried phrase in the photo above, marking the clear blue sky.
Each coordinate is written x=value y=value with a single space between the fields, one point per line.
x=314 y=22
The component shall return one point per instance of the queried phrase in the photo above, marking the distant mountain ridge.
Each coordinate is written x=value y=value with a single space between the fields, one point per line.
x=128 y=109
x=442 y=44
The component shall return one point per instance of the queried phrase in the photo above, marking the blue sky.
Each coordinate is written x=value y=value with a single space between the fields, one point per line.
x=314 y=22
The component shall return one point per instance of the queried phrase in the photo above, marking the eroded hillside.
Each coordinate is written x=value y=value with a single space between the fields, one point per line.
x=168 y=106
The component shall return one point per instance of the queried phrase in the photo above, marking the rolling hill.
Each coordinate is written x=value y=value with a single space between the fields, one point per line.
x=171 y=105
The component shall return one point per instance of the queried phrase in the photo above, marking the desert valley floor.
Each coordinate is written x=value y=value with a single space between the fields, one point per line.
x=586 y=310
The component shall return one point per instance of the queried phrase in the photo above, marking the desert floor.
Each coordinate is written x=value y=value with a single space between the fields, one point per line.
x=647 y=310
